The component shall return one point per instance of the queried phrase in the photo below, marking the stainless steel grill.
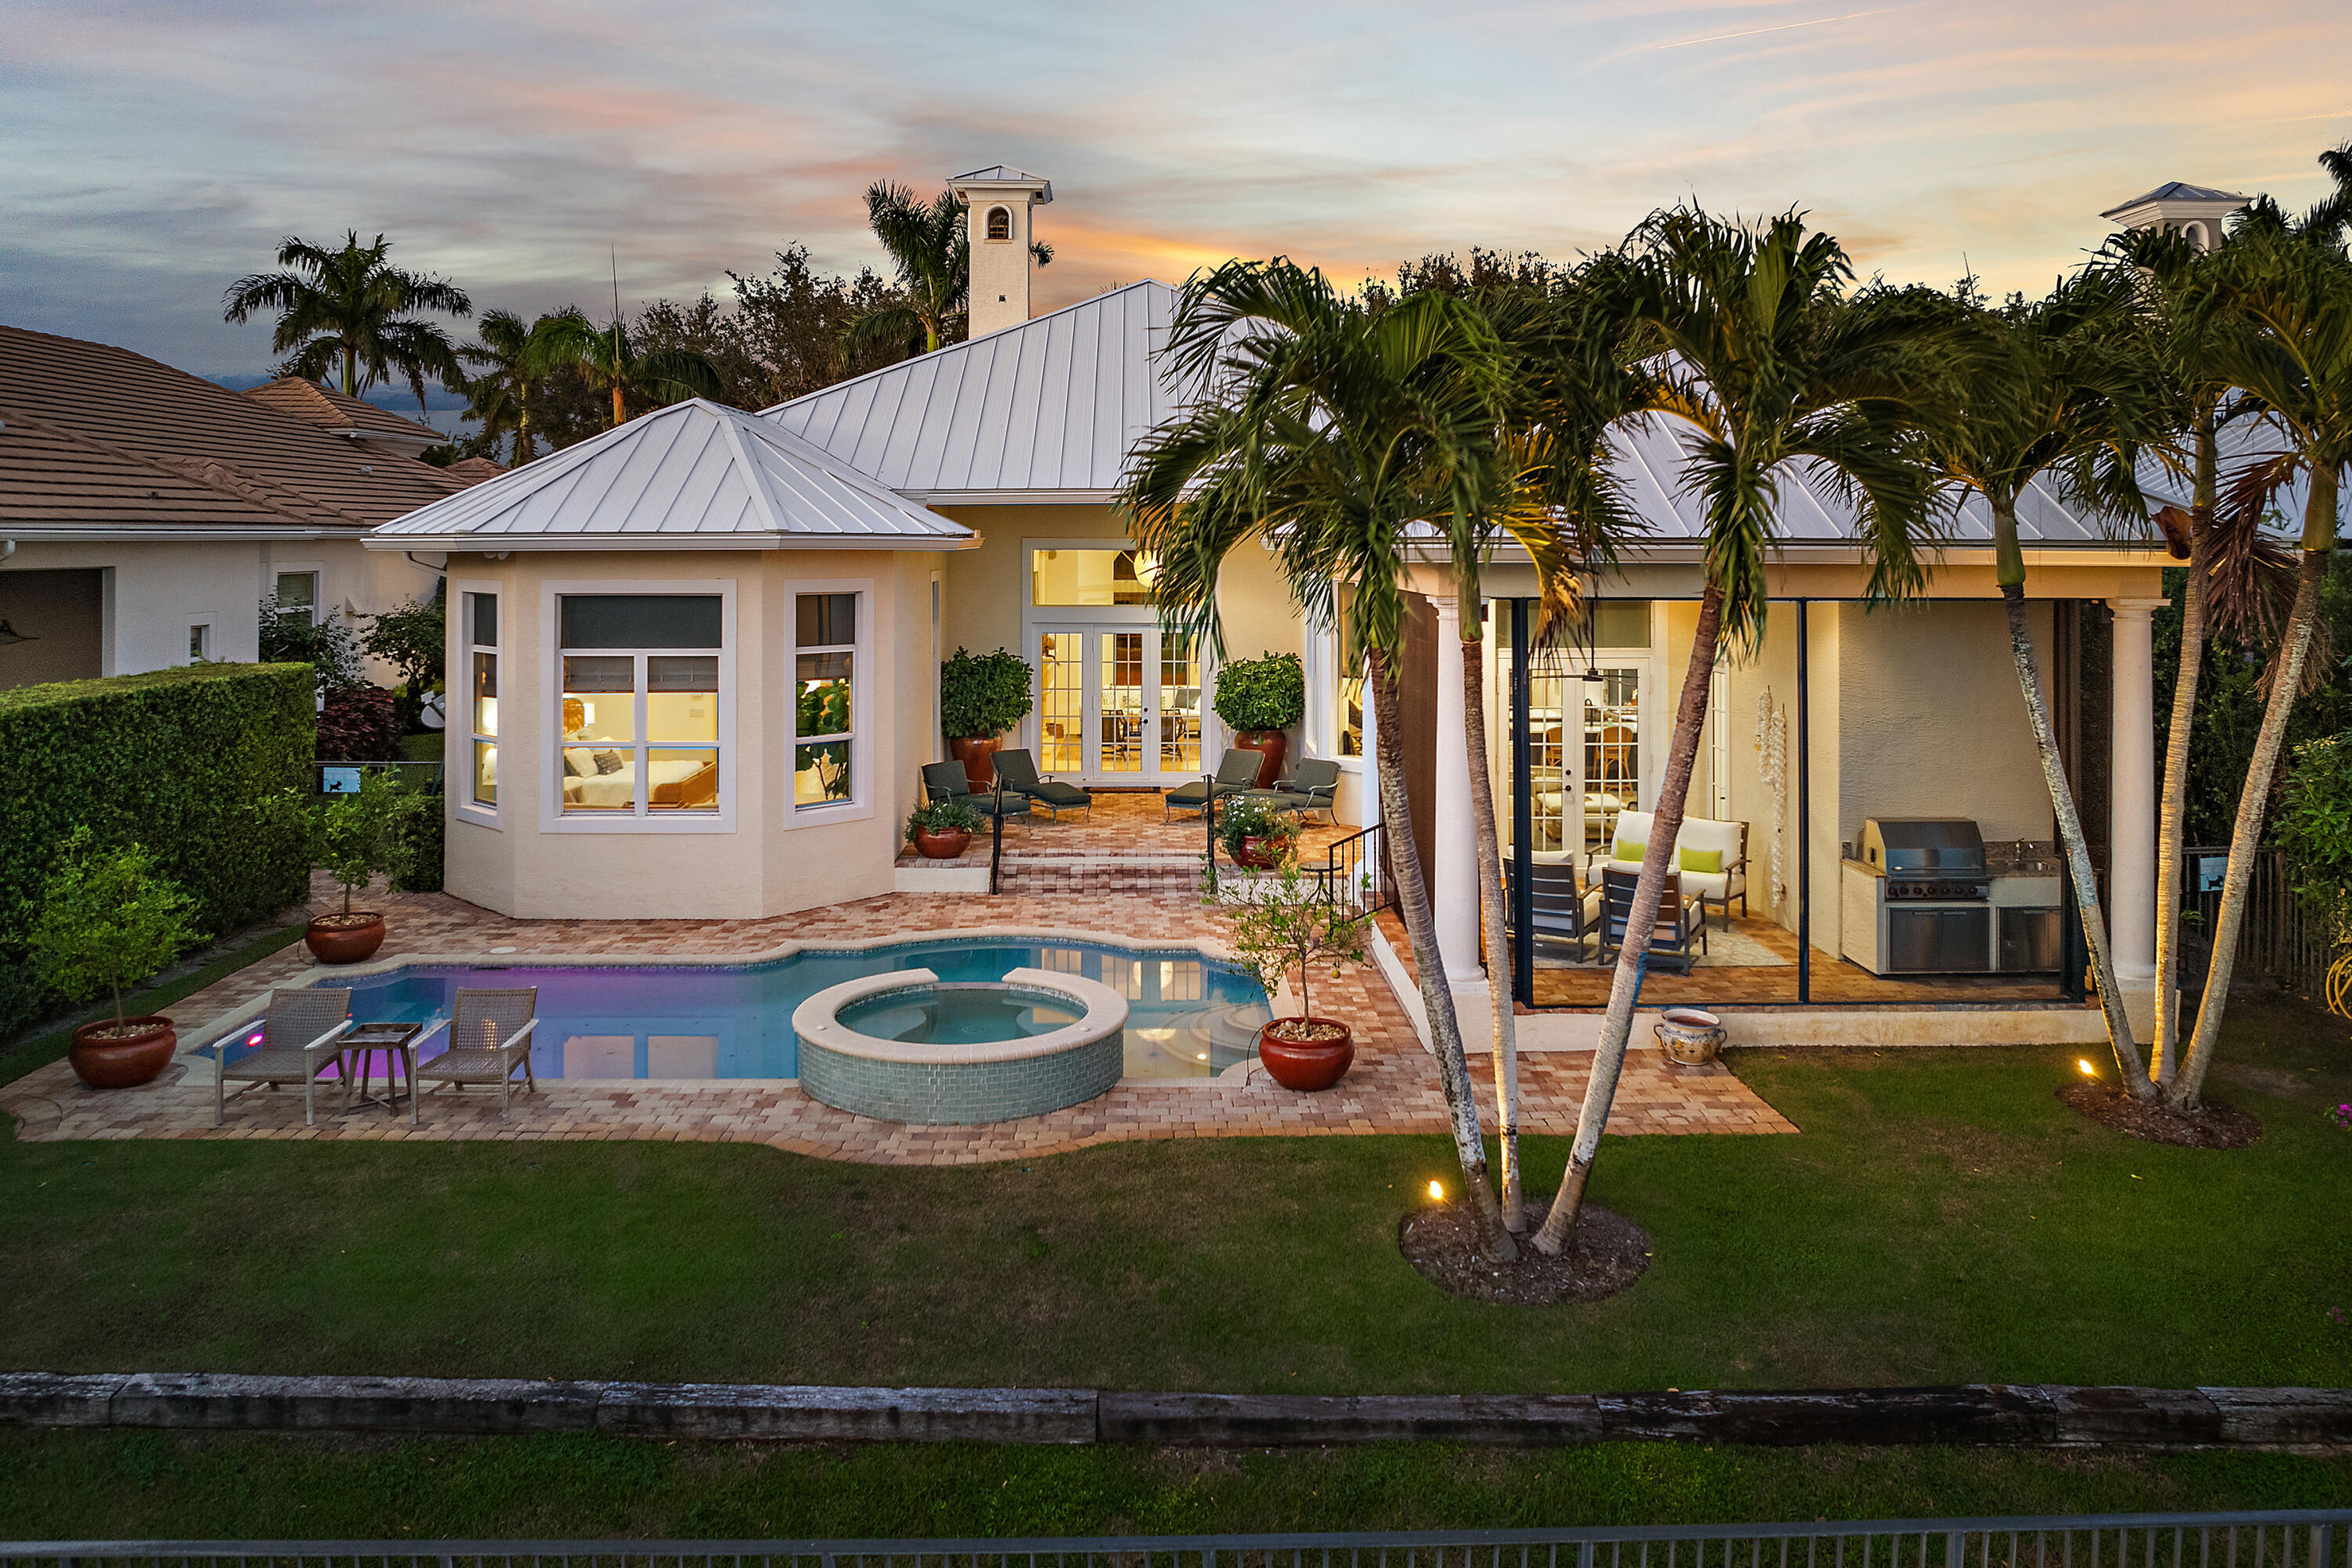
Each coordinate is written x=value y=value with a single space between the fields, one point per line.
x=1939 y=859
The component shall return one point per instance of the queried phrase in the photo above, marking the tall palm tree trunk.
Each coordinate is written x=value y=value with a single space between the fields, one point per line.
x=1421 y=926
x=620 y=413
x=2254 y=798
x=1494 y=923
x=2172 y=808
x=2071 y=843
x=350 y=371
x=1632 y=958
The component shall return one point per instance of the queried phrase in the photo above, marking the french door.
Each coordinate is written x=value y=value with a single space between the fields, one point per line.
x=1591 y=755
x=1117 y=704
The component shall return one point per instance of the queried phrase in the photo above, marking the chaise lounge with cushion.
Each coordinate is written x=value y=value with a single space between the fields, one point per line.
x=1236 y=775
x=948 y=781
x=1017 y=771
x=1313 y=785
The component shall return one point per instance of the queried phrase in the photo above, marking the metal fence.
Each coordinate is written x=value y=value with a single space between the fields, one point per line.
x=2287 y=1538
x=1356 y=870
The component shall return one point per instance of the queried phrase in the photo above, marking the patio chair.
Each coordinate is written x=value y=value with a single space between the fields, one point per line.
x=300 y=1033
x=1559 y=910
x=1313 y=785
x=1017 y=771
x=948 y=781
x=1679 y=919
x=1236 y=775
x=1710 y=856
x=489 y=1036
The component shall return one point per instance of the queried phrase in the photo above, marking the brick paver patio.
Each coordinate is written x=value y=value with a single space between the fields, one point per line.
x=1392 y=1087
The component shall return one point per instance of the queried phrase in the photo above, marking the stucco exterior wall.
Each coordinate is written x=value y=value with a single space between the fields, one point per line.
x=770 y=857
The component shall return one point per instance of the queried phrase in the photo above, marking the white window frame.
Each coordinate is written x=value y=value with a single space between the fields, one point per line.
x=1321 y=730
x=469 y=809
x=859 y=806
x=315 y=571
x=206 y=622
x=552 y=817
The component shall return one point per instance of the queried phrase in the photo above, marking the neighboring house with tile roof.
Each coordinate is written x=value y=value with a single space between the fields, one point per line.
x=144 y=512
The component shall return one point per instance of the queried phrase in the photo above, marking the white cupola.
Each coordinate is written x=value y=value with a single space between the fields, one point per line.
x=2199 y=212
x=998 y=203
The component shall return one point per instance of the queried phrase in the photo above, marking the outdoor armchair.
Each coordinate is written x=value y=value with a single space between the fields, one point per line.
x=1559 y=910
x=1702 y=843
x=1680 y=919
x=948 y=781
x=1236 y=775
x=1017 y=769
x=300 y=1033
x=489 y=1036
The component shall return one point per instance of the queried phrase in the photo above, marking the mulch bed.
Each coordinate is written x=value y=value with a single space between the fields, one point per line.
x=2218 y=1126
x=1610 y=1253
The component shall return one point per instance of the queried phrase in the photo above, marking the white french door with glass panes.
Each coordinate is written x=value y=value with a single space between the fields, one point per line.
x=1117 y=704
x=1595 y=743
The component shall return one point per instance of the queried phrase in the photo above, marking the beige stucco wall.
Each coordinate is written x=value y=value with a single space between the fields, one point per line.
x=773 y=860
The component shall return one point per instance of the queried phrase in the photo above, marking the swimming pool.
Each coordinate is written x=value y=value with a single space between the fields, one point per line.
x=1187 y=1016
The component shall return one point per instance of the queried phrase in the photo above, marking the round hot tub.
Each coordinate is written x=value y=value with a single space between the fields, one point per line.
x=906 y=1046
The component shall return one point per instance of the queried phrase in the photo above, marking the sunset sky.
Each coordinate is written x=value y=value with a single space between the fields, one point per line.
x=156 y=151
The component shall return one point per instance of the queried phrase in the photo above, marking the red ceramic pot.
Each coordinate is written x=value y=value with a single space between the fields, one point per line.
x=941 y=845
x=344 y=939
x=103 y=1060
x=978 y=755
x=1258 y=855
x=1273 y=749
x=1307 y=1064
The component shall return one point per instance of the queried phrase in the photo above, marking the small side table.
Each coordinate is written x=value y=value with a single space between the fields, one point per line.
x=396 y=1041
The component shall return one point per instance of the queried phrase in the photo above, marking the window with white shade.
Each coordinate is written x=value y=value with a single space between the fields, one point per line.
x=482 y=674
x=639 y=710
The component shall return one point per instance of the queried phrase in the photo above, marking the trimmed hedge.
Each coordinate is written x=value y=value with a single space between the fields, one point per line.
x=177 y=760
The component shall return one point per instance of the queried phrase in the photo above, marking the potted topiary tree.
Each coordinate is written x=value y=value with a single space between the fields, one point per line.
x=360 y=835
x=1257 y=837
x=980 y=697
x=1259 y=699
x=942 y=829
x=106 y=919
x=1289 y=924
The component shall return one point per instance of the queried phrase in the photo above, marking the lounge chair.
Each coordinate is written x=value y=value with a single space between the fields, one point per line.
x=489 y=1036
x=1237 y=774
x=948 y=781
x=1017 y=771
x=1313 y=785
x=1679 y=919
x=1559 y=910
x=300 y=1035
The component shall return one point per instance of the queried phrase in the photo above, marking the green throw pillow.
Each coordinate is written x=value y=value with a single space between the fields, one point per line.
x=1628 y=851
x=1709 y=861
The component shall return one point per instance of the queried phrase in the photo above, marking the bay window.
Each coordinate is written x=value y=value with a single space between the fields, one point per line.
x=638 y=721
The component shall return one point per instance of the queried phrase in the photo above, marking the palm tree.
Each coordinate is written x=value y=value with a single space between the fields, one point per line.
x=348 y=306
x=929 y=244
x=2286 y=347
x=516 y=360
x=658 y=376
x=2056 y=390
x=1566 y=384
x=1756 y=347
x=1322 y=428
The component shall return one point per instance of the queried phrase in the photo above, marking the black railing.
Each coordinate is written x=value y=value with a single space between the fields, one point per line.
x=1356 y=871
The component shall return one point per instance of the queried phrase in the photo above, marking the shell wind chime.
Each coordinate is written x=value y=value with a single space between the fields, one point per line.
x=1772 y=770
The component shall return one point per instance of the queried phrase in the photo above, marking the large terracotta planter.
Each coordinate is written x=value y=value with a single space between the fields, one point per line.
x=344 y=939
x=124 y=1063
x=1307 y=1064
x=1273 y=749
x=945 y=844
x=1258 y=855
x=978 y=755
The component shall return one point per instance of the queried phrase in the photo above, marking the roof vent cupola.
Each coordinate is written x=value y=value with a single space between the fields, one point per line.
x=2199 y=212
x=1000 y=201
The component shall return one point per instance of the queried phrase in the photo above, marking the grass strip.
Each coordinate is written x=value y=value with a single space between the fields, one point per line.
x=41 y=1050
x=85 y=1484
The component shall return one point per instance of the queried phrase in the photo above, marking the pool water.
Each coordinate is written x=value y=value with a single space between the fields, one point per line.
x=1187 y=1017
x=948 y=1016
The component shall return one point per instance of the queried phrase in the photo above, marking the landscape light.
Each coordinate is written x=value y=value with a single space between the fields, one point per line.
x=2085 y=1063
x=1437 y=1193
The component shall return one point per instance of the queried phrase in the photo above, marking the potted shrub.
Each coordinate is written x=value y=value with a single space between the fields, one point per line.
x=360 y=835
x=980 y=697
x=1289 y=924
x=942 y=829
x=1255 y=836
x=1259 y=699
x=107 y=920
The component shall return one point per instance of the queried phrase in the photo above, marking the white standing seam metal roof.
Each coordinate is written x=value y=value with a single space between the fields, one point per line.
x=692 y=476
x=1052 y=406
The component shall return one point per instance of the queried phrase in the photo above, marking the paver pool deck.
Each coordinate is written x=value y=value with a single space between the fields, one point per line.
x=1392 y=1087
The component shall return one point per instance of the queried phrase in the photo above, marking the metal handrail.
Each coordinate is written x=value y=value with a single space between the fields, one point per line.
x=2281 y=1538
x=1343 y=867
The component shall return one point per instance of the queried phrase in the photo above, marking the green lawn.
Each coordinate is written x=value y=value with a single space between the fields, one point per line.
x=1942 y=1218
x=80 y=1485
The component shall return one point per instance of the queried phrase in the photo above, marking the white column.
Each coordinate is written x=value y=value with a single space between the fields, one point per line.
x=2131 y=800
x=1453 y=880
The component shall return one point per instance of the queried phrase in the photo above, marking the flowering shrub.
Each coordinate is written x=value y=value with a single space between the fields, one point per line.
x=2343 y=1114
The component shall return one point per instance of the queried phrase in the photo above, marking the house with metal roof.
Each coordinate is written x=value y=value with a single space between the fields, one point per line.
x=145 y=513
x=963 y=498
